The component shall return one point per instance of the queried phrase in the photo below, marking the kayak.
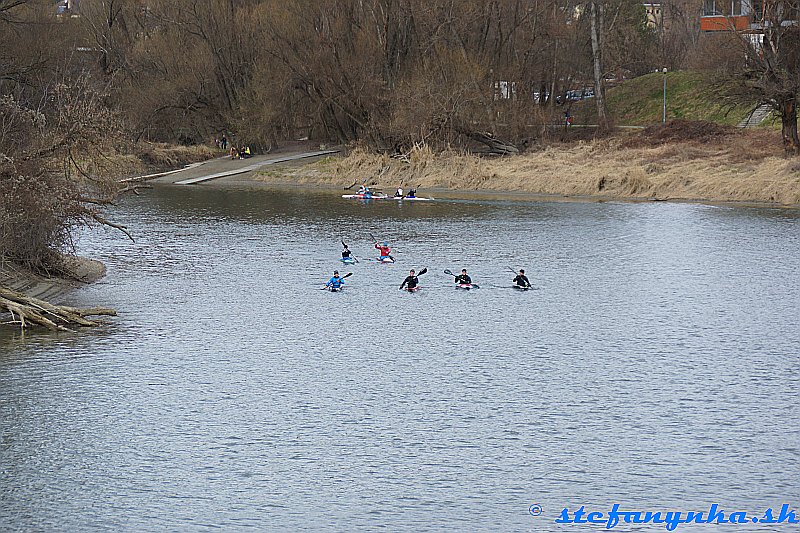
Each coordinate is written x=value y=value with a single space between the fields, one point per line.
x=412 y=199
x=413 y=289
x=385 y=260
x=365 y=197
x=347 y=260
x=520 y=287
x=334 y=289
x=465 y=286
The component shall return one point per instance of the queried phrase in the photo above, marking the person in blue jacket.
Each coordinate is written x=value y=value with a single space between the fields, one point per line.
x=335 y=282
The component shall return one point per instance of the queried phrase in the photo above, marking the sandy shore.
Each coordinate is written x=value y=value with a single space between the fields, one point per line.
x=76 y=271
x=725 y=165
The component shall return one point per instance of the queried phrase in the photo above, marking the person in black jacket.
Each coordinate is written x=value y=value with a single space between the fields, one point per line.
x=411 y=280
x=521 y=280
x=463 y=279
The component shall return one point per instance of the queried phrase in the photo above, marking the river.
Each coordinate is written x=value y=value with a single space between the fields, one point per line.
x=654 y=365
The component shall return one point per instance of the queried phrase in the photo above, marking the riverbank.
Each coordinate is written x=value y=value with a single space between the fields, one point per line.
x=74 y=272
x=683 y=161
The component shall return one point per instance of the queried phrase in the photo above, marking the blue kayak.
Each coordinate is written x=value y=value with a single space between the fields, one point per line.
x=347 y=260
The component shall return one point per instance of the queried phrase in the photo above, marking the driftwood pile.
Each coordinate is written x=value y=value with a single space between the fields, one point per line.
x=26 y=311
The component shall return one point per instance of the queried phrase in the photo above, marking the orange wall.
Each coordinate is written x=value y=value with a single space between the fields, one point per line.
x=724 y=23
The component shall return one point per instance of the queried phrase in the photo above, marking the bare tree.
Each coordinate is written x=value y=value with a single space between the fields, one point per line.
x=769 y=71
x=597 y=25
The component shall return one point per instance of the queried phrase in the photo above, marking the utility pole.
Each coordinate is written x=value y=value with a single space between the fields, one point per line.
x=664 y=114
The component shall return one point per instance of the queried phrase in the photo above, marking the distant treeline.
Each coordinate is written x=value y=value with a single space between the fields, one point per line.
x=389 y=72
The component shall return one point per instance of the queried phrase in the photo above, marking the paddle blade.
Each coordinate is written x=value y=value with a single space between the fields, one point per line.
x=446 y=271
x=423 y=271
x=347 y=275
x=371 y=236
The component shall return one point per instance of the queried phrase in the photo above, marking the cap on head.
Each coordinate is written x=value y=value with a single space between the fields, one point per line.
x=412 y=270
x=521 y=271
x=464 y=270
x=335 y=272
x=385 y=243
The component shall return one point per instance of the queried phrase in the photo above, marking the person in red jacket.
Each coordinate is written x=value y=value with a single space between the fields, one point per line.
x=384 y=249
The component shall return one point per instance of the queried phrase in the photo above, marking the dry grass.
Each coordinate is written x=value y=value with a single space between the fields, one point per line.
x=726 y=165
x=170 y=156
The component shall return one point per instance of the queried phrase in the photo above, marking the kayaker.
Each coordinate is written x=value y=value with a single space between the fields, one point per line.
x=384 y=250
x=335 y=282
x=521 y=280
x=364 y=190
x=411 y=280
x=346 y=253
x=398 y=193
x=463 y=279
x=412 y=193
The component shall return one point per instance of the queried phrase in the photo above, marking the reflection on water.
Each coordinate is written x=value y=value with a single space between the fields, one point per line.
x=654 y=366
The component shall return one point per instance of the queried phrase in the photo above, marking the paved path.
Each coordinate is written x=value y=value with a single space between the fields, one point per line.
x=224 y=167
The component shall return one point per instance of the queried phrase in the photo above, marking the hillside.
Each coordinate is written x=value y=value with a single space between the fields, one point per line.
x=639 y=102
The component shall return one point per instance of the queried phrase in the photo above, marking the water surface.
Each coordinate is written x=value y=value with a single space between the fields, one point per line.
x=655 y=365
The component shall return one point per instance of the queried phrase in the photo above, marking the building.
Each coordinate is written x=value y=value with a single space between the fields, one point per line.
x=727 y=15
x=655 y=15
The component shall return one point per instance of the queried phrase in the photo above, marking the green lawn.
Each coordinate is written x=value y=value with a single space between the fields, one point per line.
x=639 y=101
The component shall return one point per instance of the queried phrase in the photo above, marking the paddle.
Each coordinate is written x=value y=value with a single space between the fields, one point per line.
x=371 y=236
x=345 y=276
x=475 y=285
x=421 y=272
x=351 y=255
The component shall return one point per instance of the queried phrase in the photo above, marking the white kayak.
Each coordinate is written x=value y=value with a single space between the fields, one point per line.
x=365 y=197
x=411 y=199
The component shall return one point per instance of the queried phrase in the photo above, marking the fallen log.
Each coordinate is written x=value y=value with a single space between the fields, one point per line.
x=496 y=146
x=26 y=311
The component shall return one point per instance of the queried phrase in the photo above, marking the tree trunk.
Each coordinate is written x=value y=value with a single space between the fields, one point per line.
x=496 y=146
x=791 y=143
x=596 y=18
x=26 y=310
